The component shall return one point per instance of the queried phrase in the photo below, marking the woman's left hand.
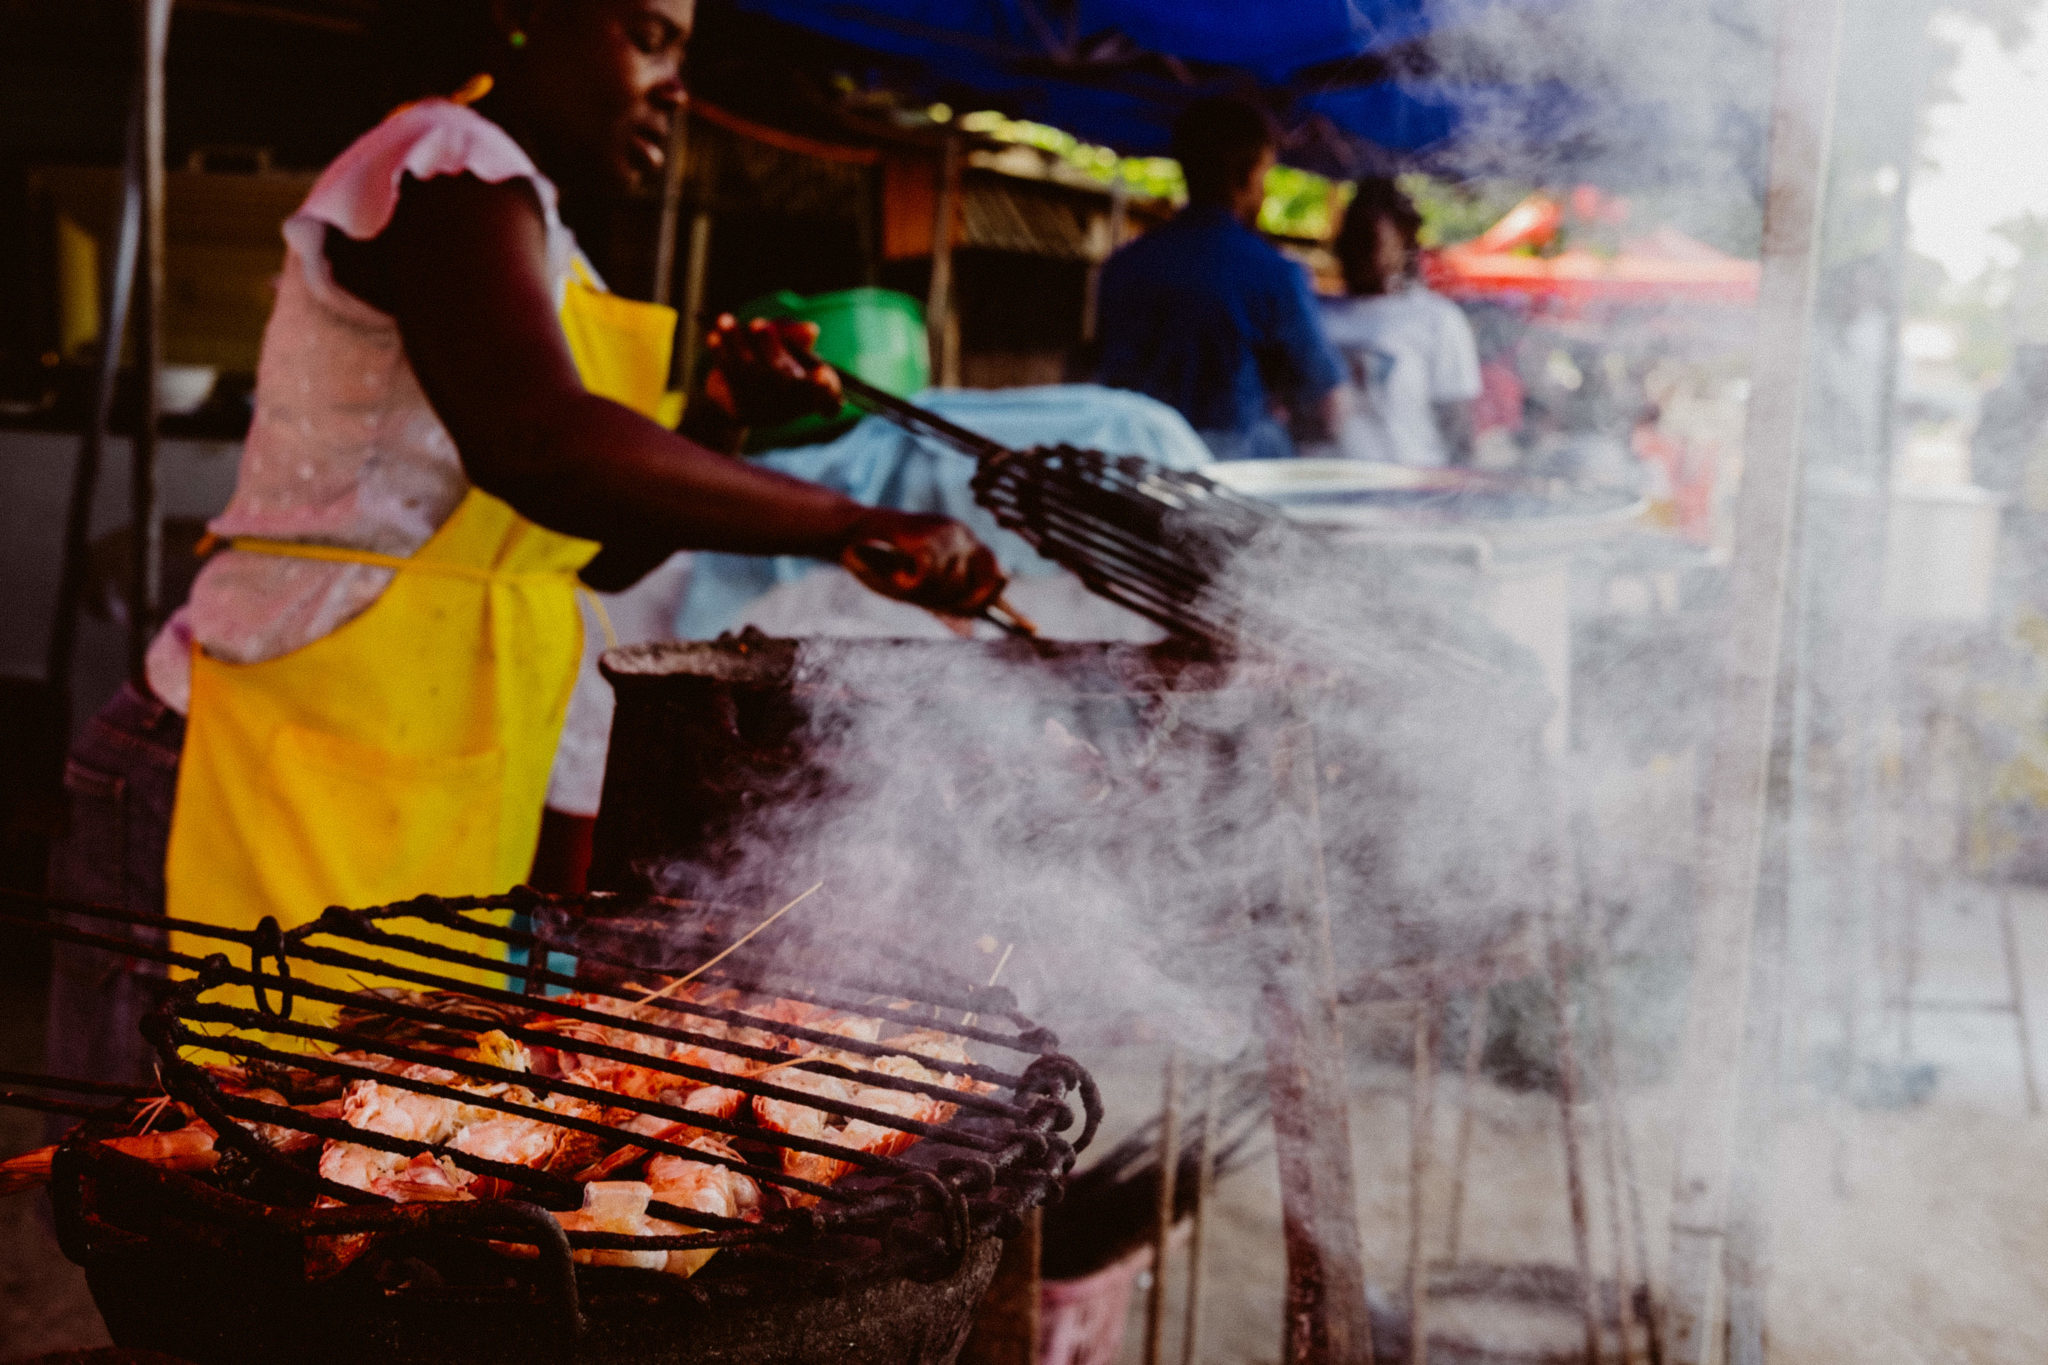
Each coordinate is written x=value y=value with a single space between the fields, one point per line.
x=763 y=373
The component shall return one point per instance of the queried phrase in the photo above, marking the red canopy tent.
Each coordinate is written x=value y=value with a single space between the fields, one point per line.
x=1513 y=261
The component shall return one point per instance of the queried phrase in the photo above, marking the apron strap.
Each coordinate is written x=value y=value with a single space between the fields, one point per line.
x=336 y=554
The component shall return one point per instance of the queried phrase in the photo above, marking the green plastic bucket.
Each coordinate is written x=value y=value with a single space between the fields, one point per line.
x=877 y=334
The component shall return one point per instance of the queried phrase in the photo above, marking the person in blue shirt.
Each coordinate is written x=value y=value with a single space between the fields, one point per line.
x=1204 y=314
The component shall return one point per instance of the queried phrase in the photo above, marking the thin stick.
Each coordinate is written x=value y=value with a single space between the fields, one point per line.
x=727 y=951
x=968 y=1021
x=2016 y=979
x=1421 y=1136
x=1205 y=1181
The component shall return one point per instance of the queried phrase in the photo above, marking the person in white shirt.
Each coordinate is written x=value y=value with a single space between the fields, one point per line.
x=1411 y=367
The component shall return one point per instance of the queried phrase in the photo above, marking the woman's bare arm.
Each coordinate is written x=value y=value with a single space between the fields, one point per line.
x=463 y=267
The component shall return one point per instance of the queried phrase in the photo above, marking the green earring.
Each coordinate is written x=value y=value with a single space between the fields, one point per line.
x=518 y=37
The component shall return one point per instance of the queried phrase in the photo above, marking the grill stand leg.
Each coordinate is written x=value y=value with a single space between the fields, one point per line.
x=1468 y=1093
x=1326 y=1320
x=2016 y=979
x=1006 y=1326
x=1421 y=1126
x=1567 y=1105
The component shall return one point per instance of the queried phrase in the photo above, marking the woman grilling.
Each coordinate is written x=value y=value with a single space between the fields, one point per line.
x=362 y=700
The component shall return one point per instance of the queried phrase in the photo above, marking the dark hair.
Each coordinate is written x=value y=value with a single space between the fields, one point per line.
x=1218 y=141
x=431 y=47
x=1357 y=244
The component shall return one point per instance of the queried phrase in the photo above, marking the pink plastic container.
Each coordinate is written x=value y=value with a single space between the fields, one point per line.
x=1081 y=1322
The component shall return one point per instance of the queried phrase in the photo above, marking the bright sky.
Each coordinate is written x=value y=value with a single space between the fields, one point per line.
x=1989 y=152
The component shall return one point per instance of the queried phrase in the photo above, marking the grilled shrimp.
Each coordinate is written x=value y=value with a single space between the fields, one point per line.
x=426 y=1179
x=397 y=1112
x=185 y=1149
x=864 y=1135
x=617 y=1206
x=697 y=1185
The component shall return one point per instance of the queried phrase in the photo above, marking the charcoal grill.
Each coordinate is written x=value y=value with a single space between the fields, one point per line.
x=885 y=1264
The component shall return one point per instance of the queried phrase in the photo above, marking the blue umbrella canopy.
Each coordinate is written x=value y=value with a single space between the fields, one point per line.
x=1117 y=71
x=1360 y=86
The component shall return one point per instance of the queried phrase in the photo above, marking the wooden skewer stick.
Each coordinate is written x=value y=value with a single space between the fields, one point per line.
x=727 y=951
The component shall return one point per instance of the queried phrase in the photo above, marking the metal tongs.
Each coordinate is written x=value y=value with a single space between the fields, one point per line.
x=879 y=557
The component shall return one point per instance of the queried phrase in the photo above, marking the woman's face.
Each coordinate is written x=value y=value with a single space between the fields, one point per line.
x=602 y=81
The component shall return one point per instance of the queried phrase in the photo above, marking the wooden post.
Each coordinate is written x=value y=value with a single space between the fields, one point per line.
x=145 y=504
x=1326 y=1320
x=1091 y=299
x=694 y=267
x=674 y=173
x=1746 y=1257
x=938 y=302
x=1732 y=827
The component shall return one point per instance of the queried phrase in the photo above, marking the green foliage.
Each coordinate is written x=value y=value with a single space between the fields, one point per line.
x=1298 y=204
x=1302 y=205
x=1155 y=176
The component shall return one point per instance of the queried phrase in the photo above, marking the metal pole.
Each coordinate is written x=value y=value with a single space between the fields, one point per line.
x=1567 y=1110
x=675 y=172
x=1205 y=1183
x=1809 y=33
x=58 y=666
x=1162 y=1226
x=145 y=508
x=938 y=302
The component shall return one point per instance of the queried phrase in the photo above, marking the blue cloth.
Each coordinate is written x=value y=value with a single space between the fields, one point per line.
x=1203 y=314
x=881 y=464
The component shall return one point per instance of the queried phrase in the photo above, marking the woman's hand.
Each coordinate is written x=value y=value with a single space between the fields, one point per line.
x=932 y=562
x=762 y=373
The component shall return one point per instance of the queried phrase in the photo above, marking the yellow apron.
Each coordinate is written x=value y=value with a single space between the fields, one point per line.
x=408 y=751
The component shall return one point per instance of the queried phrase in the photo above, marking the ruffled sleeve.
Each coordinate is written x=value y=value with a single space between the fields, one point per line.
x=359 y=193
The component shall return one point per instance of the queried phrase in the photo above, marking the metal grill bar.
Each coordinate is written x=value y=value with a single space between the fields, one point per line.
x=625 y=1023
x=80 y=1087
x=50 y=1104
x=16 y=904
x=1035 y=1041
